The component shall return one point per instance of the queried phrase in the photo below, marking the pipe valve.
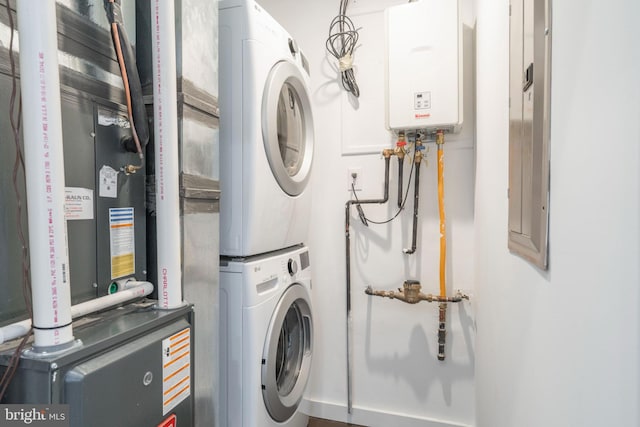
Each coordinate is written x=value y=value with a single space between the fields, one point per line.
x=411 y=294
x=401 y=143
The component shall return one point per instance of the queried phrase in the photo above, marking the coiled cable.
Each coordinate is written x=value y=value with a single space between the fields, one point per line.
x=342 y=41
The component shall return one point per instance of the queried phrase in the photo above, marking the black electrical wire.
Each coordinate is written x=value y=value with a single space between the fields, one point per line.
x=342 y=41
x=406 y=194
x=18 y=172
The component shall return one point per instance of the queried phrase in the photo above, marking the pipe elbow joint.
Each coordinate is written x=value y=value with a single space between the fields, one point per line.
x=387 y=153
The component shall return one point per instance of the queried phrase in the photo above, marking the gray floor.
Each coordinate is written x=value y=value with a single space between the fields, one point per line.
x=317 y=422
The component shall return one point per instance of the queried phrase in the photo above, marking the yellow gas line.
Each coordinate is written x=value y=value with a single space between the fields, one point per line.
x=443 y=248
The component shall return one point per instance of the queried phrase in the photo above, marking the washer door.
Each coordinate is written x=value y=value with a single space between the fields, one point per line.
x=287 y=127
x=286 y=359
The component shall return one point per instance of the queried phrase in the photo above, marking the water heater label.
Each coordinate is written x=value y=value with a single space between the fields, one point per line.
x=78 y=203
x=123 y=243
x=422 y=100
x=176 y=369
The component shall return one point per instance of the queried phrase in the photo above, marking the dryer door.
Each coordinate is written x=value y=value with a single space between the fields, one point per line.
x=287 y=127
x=286 y=358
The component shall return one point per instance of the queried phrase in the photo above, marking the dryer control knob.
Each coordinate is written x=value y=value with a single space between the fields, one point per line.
x=293 y=47
x=292 y=266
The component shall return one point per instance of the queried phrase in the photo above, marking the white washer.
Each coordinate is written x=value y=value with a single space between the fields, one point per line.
x=266 y=133
x=266 y=339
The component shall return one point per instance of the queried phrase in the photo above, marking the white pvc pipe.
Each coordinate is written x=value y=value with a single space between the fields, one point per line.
x=165 y=119
x=44 y=168
x=133 y=290
x=14 y=330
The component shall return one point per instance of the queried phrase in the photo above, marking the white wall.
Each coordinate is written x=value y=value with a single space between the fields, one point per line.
x=561 y=348
x=397 y=379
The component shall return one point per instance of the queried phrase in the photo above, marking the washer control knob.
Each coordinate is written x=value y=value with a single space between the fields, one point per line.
x=292 y=266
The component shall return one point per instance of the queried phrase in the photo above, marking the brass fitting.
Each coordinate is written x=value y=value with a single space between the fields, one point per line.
x=130 y=169
x=388 y=152
x=417 y=158
x=400 y=144
x=411 y=294
x=440 y=137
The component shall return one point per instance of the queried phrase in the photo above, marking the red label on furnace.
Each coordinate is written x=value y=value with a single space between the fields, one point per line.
x=169 y=422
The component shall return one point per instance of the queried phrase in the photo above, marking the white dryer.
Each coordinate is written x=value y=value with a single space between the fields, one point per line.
x=266 y=133
x=266 y=339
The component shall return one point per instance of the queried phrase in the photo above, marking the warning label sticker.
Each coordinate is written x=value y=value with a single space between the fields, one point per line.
x=176 y=369
x=169 y=422
x=123 y=243
x=108 y=182
x=78 y=203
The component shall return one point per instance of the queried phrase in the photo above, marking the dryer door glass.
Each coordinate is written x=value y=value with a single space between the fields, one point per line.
x=287 y=127
x=286 y=357
x=290 y=130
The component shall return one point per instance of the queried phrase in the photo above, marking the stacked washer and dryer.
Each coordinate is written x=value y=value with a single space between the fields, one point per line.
x=266 y=151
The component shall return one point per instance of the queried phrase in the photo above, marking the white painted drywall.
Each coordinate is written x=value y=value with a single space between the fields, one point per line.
x=397 y=380
x=561 y=348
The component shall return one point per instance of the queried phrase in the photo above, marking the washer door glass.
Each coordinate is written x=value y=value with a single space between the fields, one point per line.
x=286 y=357
x=287 y=127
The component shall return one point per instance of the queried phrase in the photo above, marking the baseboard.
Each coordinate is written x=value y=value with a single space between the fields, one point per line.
x=369 y=417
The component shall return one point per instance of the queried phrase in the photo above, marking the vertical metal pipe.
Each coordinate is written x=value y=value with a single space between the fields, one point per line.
x=347 y=233
x=442 y=330
x=165 y=120
x=348 y=303
x=400 y=178
x=44 y=168
x=416 y=200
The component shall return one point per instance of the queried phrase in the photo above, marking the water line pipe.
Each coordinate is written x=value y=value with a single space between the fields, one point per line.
x=132 y=290
x=417 y=159
x=387 y=153
x=411 y=294
x=44 y=169
x=400 y=153
x=400 y=178
x=165 y=115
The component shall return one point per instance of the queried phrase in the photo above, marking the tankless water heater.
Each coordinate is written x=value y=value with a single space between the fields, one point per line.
x=423 y=68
